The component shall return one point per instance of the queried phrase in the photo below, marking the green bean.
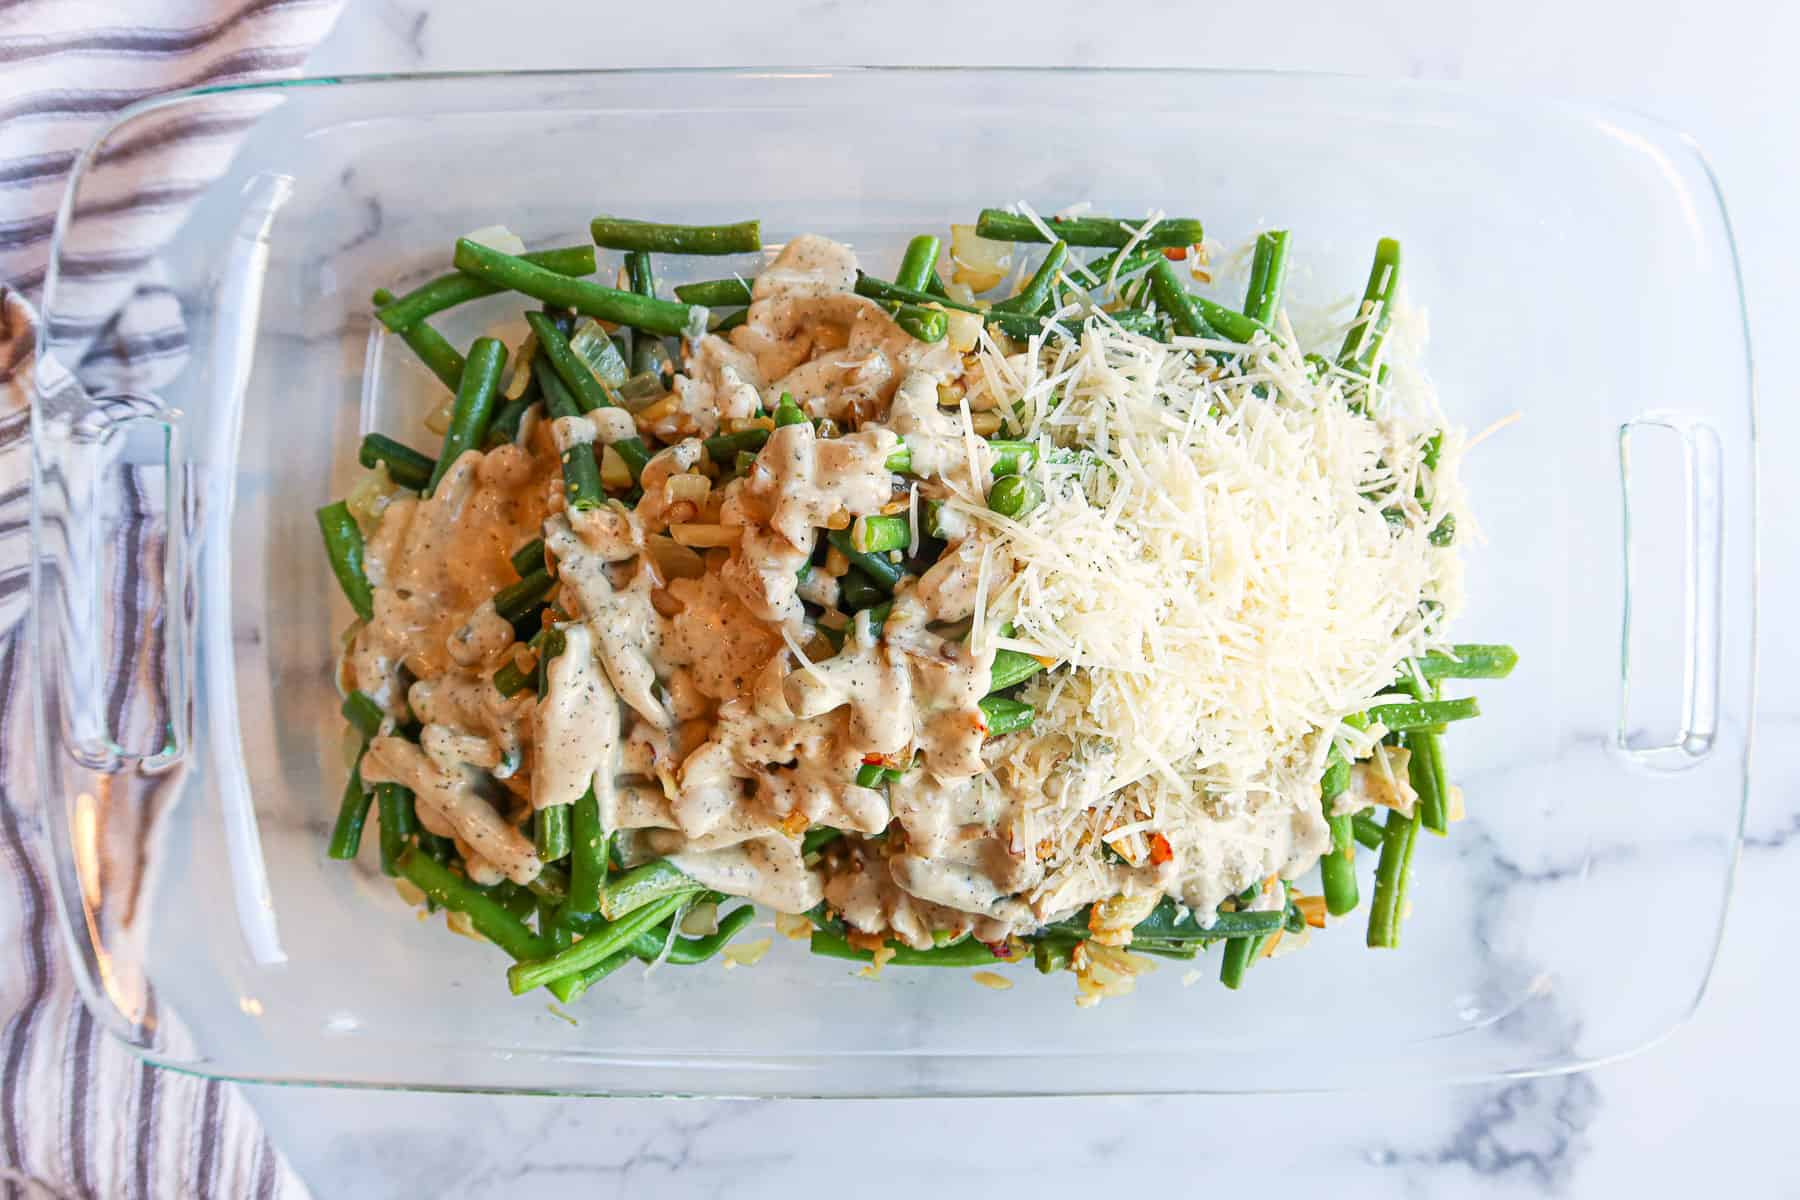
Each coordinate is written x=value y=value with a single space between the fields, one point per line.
x=528 y=558
x=1053 y=954
x=516 y=599
x=353 y=812
x=555 y=932
x=550 y=832
x=1467 y=662
x=819 y=836
x=1337 y=867
x=1196 y=316
x=582 y=488
x=1023 y=326
x=1444 y=532
x=714 y=293
x=584 y=296
x=523 y=976
x=344 y=547
x=1239 y=954
x=998 y=225
x=857 y=591
x=587 y=865
x=687 y=951
x=788 y=413
x=617 y=233
x=447 y=291
x=405 y=466
x=394 y=807
x=1402 y=717
x=639 y=886
x=1009 y=457
x=881 y=289
x=1015 y=495
x=1425 y=771
x=1012 y=667
x=884 y=574
x=924 y=324
x=1268 y=271
x=511 y=679
x=1035 y=297
x=1169 y=924
x=879 y=534
x=648 y=354
x=1392 y=874
x=1362 y=344
x=503 y=430
x=1367 y=831
x=492 y=919
x=723 y=448
x=363 y=714
x=1004 y=716
x=967 y=953
x=871 y=775
x=474 y=405
x=439 y=356
x=551 y=884
x=728 y=322
x=585 y=388
x=571 y=987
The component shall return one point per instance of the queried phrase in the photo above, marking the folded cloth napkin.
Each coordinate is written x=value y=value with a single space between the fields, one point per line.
x=79 y=1115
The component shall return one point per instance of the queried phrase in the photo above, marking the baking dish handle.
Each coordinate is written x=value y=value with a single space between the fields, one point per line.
x=112 y=576
x=1670 y=468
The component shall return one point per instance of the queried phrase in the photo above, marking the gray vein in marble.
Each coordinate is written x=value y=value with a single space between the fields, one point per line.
x=1536 y=1128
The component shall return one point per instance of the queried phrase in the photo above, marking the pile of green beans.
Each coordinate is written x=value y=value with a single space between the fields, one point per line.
x=586 y=915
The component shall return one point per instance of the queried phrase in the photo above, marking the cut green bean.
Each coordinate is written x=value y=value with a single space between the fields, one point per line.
x=581 y=295
x=818 y=837
x=1015 y=495
x=648 y=354
x=1196 y=316
x=511 y=679
x=857 y=591
x=723 y=448
x=687 y=951
x=492 y=919
x=881 y=289
x=1392 y=874
x=1012 y=667
x=439 y=356
x=1467 y=662
x=1004 y=716
x=1024 y=326
x=885 y=575
x=1425 y=771
x=879 y=534
x=1268 y=272
x=924 y=324
x=1425 y=714
x=1337 y=867
x=1009 y=457
x=1367 y=830
x=642 y=884
x=588 y=855
x=582 y=487
x=364 y=715
x=998 y=225
x=528 y=558
x=967 y=953
x=550 y=832
x=714 y=293
x=516 y=599
x=448 y=291
x=1035 y=297
x=353 y=813
x=344 y=547
x=394 y=809
x=586 y=389
x=405 y=466
x=474 y=405
x=1239 y=954
x=1168 y=922
x=617 y=233
x=1362 y=344
x=503 y=429
x=523 y=976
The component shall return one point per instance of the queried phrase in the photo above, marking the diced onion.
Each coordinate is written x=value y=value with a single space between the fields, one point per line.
x=498 y=237
x=981 y=263
x=672 y=559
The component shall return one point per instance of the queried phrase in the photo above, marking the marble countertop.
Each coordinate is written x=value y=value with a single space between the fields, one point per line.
x=1704 y=1105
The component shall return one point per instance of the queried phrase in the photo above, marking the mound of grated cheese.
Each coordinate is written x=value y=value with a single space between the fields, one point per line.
x=1213 y=560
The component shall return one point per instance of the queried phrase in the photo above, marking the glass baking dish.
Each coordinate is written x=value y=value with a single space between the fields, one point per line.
x=1578 y=269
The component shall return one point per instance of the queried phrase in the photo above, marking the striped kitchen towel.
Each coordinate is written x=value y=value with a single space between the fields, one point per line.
x=79 y=1115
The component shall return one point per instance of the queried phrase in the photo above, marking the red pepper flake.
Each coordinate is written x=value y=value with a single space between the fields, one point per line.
x=1175 y=253
x=1160 y=850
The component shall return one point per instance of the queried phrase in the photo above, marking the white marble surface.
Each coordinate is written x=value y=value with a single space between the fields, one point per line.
x=1713 y=1102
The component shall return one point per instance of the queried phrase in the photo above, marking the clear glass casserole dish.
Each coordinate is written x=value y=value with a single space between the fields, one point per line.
x=1577 y=266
